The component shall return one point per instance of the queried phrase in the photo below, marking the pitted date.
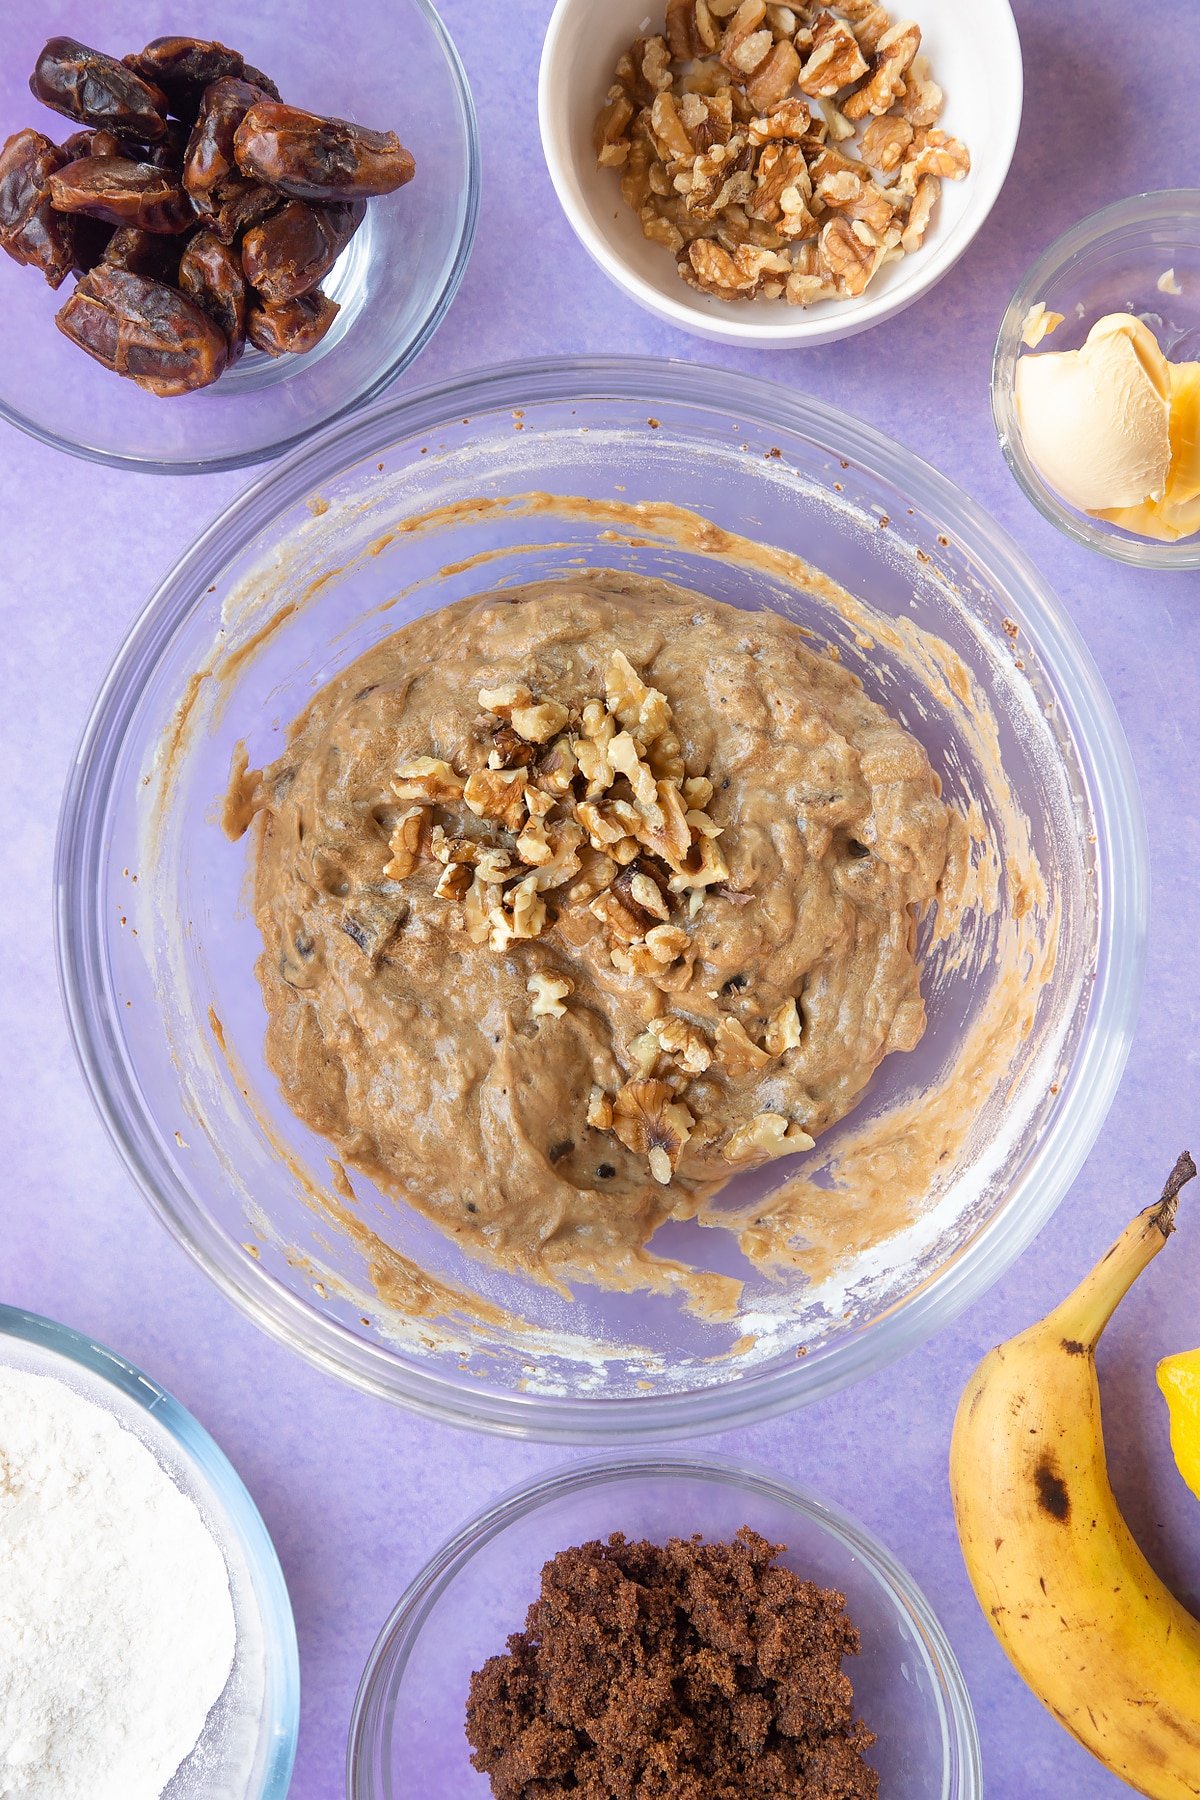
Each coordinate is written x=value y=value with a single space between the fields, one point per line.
x=124 y=193
x=209 y=160
x=85 y=84
x=259 y=80
x=210 y=274
x=144 y=330
x=241 y=203
x=292 y=328
x=297 y=246
x=184 y=67
x=312 y=158
x=147 y=253
x=92 y=143
x=30 y=230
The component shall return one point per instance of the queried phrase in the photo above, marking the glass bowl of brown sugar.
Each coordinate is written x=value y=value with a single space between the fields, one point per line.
x=408 y=1737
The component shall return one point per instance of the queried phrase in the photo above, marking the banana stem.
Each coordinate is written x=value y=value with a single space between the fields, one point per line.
x=1082 y=1316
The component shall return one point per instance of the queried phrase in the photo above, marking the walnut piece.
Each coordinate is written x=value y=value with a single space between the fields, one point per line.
x=519 y=912
x=666 y=942
x=549 y=993
x=538 y=723
x=736 y=1050
x=501 y=700
x=685 y=1043
x=934 y=153
x=893 y=54
x=922 y=100
x=641 y=710
x=774 y=79
x=835 y=60
x=885 y=142
x=920 y=212
x=848 y=251
x=405 y=844
x=600 y=1110
x=454 y=882
x=649 y=1120
x=427 y=778
x=497 y=794
x=783 y=1029
x=765 y=1136
x=618 y=919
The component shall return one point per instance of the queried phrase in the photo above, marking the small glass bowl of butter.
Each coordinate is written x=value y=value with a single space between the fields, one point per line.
x=1096 y=381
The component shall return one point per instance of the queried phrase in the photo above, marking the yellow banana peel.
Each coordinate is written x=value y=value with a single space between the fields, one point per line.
x=1080 y=1613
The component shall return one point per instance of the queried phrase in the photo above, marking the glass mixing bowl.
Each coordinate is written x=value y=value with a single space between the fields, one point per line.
x=394 y=281
x=1116 y=260
x=409 y=508
x=248 y=1744
x=407 y=1737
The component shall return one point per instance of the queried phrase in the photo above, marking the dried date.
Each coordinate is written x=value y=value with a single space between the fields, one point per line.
x=262 y=81
x=312 y=158
x=31 y=231
x=210 y=273
x=209 y=159
x=182 y=67
x=170 y=150
x=92 y=143
x=148 y=253
x=124 y=193
x=292 y=328
x=241 y=203
x=143 y=330
x=85 y=84
x=297 y=246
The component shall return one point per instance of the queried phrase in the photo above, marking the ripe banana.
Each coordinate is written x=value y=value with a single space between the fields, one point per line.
x=1077 y=1608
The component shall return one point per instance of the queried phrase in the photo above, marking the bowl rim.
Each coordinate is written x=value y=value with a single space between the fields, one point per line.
x=962 y=1771
x=203 y=1452
x=1055 y=1159
x=805 y=329
x=1167 y=205
x=403 y=358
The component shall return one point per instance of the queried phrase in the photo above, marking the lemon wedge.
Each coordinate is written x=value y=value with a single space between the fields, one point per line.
x=1179 y=1379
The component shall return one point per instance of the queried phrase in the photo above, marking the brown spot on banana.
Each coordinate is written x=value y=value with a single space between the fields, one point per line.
x=1052 y=1492
x=1073 y=1347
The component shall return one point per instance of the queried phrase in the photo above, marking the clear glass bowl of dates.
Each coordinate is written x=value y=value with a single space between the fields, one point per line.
x=252 y=252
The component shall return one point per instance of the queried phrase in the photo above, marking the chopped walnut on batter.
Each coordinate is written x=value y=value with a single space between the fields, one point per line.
x=724 y=132
x=605 y=779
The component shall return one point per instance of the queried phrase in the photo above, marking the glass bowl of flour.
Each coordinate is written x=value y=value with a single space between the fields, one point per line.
x=147 y=1647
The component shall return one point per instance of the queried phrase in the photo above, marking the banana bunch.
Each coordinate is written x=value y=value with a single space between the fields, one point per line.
x=1077 y=1608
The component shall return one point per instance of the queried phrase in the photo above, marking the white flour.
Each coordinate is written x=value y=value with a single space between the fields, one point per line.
x=116 y=1623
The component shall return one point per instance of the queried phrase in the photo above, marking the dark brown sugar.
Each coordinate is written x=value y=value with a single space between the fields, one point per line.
x=689 y=1671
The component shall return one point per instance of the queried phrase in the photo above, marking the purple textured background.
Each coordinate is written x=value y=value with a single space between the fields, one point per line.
x=357 y=1494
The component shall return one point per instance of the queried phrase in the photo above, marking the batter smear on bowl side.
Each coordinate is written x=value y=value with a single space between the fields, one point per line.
x=579 y=899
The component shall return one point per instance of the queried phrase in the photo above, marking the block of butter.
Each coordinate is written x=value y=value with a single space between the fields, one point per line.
x=1115 y=428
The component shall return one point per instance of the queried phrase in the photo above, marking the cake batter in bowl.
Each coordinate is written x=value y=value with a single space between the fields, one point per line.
x=805 y=1270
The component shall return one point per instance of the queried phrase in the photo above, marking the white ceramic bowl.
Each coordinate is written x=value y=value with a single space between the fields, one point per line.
x=975 y=55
